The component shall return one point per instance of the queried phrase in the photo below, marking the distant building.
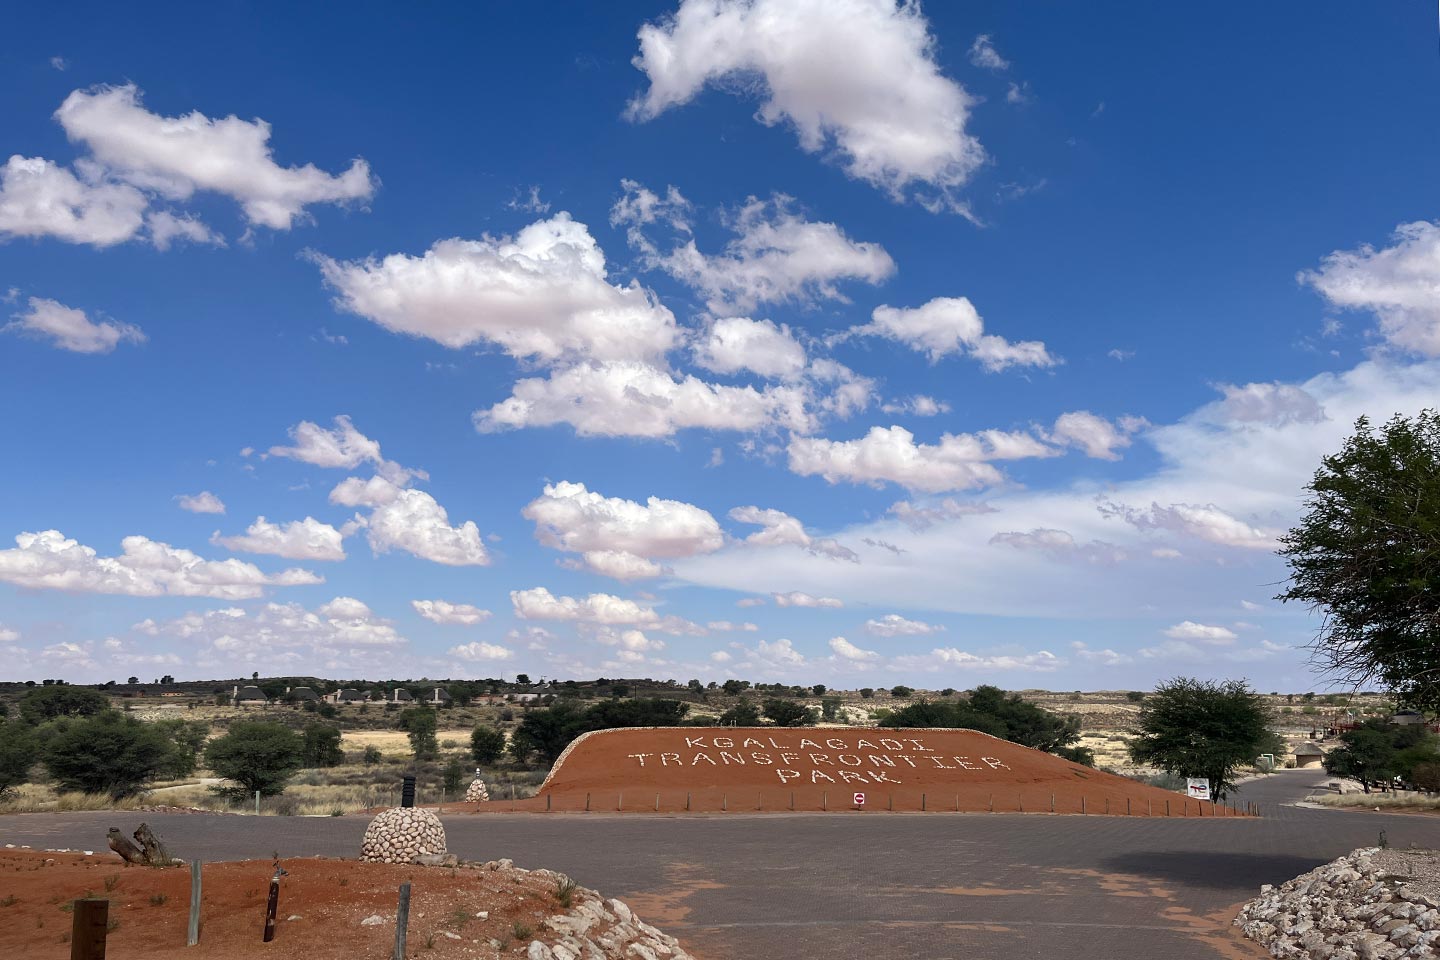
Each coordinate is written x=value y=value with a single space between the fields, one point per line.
x=351 y=696
x=1309 y=755
x=438 y=696
x=301 y=693
x=1406 y=718
x=400 y=695
x=249 y=696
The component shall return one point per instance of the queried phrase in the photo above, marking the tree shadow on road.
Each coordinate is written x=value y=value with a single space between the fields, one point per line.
x=1220 y=871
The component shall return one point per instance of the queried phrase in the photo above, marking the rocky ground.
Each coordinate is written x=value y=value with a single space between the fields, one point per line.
x=1374 y=904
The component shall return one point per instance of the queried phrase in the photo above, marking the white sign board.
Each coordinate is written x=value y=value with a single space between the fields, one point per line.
x=859 y=799
x=1198 y=788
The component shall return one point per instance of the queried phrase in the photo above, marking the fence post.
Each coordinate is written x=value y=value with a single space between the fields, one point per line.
x=402 y=920
x=587 y=803
x=1052 y=803
x=88 y=929
x=687 y=800
x=257 y=803
x=824 y=799
x=192 y=935
x=1082 y=803
x=724 y=802
x=922 y=803
x=272 y=903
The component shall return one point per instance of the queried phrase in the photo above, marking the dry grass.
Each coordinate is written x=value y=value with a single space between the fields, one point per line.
x=36 y=798
x=1385 y=801
x=394 y=742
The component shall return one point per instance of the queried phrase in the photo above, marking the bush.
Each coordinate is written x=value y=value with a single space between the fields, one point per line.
x=867 y=692
x=486 y=745
x=743 y=714
x=50 y=703
x=105 y=753
x=371 y=755
x=1135 y=696
x=257 y=756
x=1426 y=776
x=17 y=754
x=321 y=745
x=901 y=691
x=419 y=724
x=787 y=713
x=453 y=776
x=186 y=741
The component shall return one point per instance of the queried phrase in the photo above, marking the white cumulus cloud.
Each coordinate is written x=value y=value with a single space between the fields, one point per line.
x=307 y=539
x=1400 y=284
x=618 y=537
x=70 y=329
x=846 y=650
x=856 y=77
x=541 y=295
x=796 y=598
x=951 y=325
x=39 y=198
x=442 y=611
x=145 y=568
x=736 y=344
x=413 y=521
x=894 y=625
x=202 y=502
x=479 y=652
x=891 y=455
x=780 y=529
x=1205 y=633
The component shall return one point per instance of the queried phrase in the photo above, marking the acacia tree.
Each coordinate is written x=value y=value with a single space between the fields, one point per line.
x=257 y=756
x=1367 y=556
x=1201 y=728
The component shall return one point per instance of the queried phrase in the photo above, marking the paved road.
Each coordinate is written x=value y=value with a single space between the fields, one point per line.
x=872 y=885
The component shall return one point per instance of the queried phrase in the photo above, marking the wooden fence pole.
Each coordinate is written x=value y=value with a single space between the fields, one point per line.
x=402 y=921
x=192 y=935
x=1052 y=803
x=88 y=929
x=272 y=903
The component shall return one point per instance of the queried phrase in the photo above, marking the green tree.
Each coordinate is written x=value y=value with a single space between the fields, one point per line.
x=17 y=754
x=452 y=776
x=256 y=755
x=743 y=714
x=867 y=692
x=829 y=708
x=105 y=753
x=420 y=724
x=1201 y=728
x=51 y=702
x=486 y=745
x=371 y=755
x=321 y=746
x=546 y=733
x=818 y=689
x=901 y=691
x=787 y=713
x=1365 y=554
x=186 y=740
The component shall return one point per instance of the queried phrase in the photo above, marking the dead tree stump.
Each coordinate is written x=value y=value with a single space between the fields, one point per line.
x=122 y=845
x=155 y=853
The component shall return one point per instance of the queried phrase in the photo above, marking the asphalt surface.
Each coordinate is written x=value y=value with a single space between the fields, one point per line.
x=871 y=885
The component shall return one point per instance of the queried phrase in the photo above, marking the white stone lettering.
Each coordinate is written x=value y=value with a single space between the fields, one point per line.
x=877 y=759
x=995 y=764
x=835 y=744
x=879 y=777
x=865 y=745
x=808 y=743
x=776 y=746
x=817 y=775
x=919 y=746
x=965 y=763
x=640 y=756
x=666 y=758
x=703 y=756
x=692 y=742
x=724 y=743
x=907 y=759
x=787 y=774
x=761 y=758
x=892 y=744
x=940 y=762
x=850 y=776
x=853 y=760
x=749 y=742
x=730 y=758
x=819 y=758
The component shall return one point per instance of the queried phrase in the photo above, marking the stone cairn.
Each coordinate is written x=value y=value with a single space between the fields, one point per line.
x=476 y=792
x=402 y=835
x=1365 y=906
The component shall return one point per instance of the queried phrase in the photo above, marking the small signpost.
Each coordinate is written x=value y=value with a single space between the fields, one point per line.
x=860 y=800
x=1197 y=788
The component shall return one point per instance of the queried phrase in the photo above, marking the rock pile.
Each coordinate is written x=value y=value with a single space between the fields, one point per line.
x=1373 y=904
x=402 y=835
x=593 y=928
x=476 y=792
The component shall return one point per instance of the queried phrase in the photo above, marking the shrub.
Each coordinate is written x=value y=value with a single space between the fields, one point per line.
x=486 y=745
x=453 y=776
x=53 y=702
x=1426 y=776
x=321 y=745
x=17 y=754
x=257 y=756
x=901 y=691
x=105 y=753
x=419 y=724
x=787 y=713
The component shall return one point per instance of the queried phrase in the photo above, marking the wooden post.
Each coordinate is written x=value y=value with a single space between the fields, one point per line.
x=1021 y=800
x=547 y=803
x=824 y=799
x=1082 y=803
x=192 y=935
x=992 y=803
x=1107 y=805
x=88 y=929
x=792 y=799
x=1052 y=803
x=257 y=803
x=957 y=803
x=272 y=903
x=724 y=802
x=1167 y=808
x=687 y=800
x=402 y=920
x=657 y=803
x=587 y=803
x=620 y=801
x=922 y=803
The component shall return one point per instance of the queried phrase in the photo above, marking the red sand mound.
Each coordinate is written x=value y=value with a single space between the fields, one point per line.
x=672 y=769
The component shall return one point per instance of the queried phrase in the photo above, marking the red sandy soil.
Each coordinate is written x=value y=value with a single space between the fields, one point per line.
x=326 y=898
x=778 y=769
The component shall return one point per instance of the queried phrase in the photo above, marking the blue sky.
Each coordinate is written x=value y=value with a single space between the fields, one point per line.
x=824 y=342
